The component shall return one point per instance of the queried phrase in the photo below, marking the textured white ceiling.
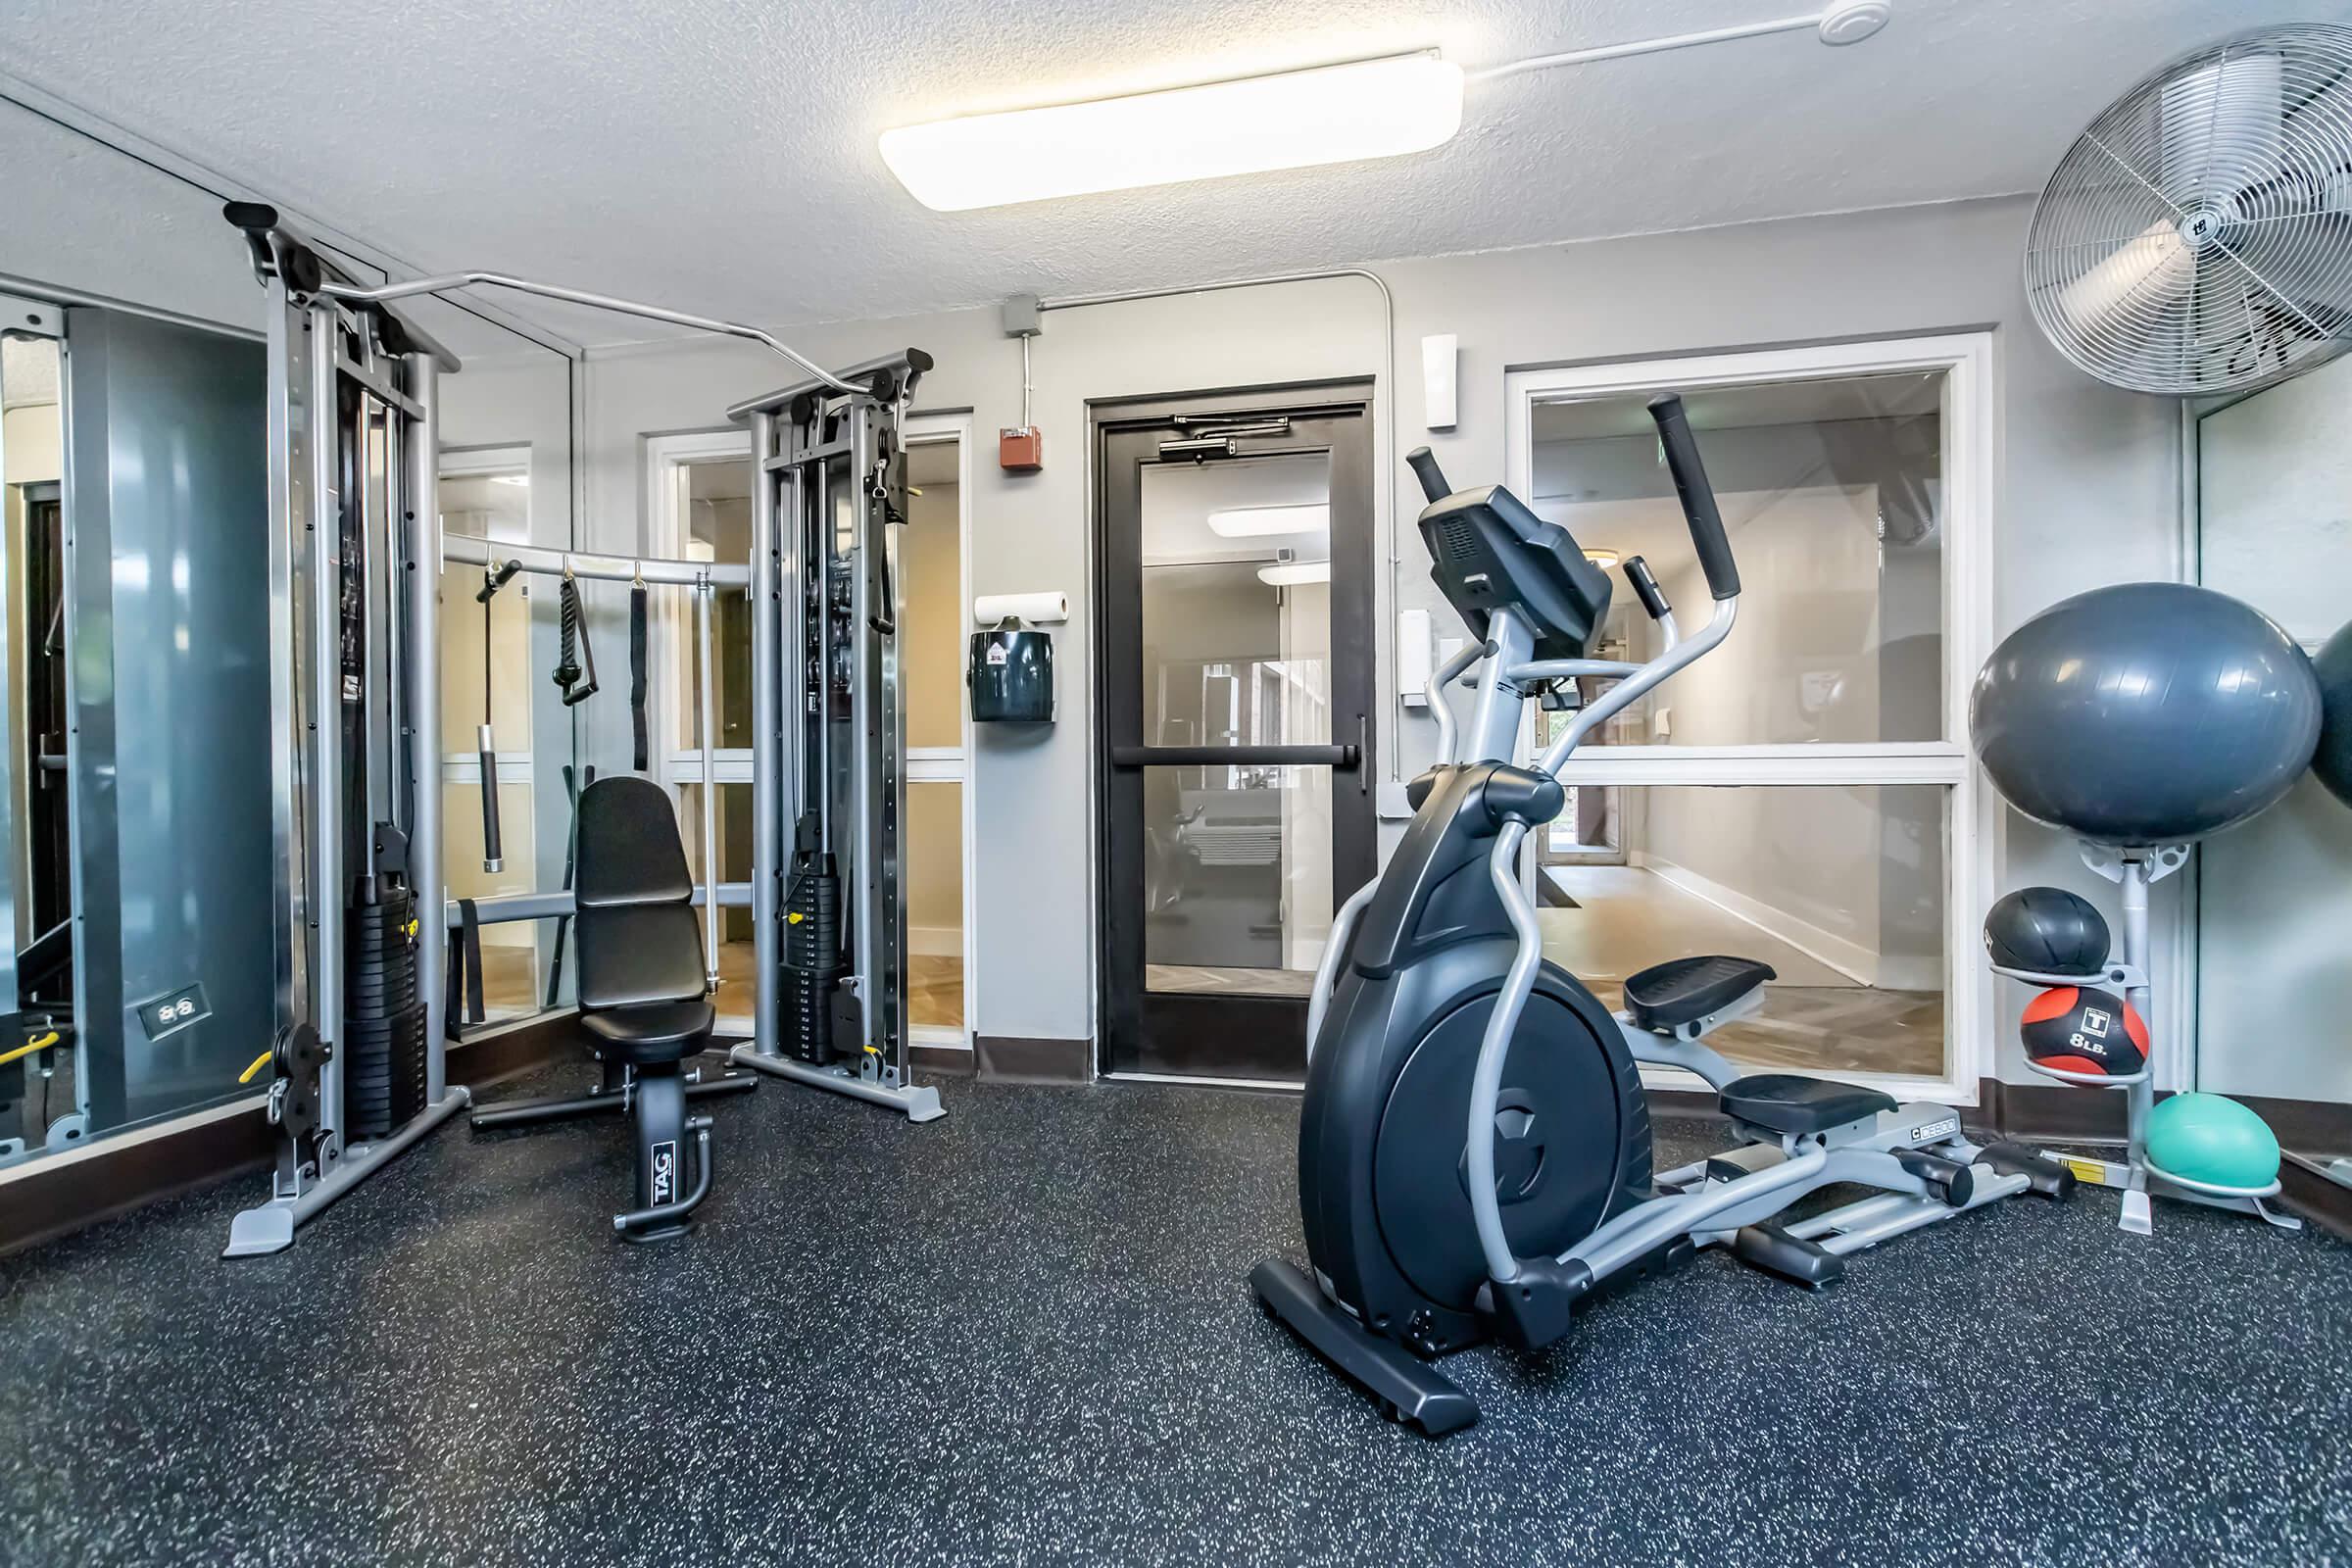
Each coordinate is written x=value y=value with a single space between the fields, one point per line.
x=720 y=154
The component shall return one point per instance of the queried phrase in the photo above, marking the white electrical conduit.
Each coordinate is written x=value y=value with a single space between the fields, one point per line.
x=1845 y=24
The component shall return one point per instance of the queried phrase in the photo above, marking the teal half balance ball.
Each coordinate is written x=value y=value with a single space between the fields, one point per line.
x=2208 y=1138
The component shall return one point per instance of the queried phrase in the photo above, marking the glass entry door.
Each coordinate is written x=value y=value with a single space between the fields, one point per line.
x=1236 y=624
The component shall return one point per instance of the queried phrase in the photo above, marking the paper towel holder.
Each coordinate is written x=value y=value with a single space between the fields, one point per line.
x=1041 y=609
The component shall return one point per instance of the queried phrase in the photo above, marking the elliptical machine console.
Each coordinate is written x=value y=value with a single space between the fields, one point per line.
x=1473 y=1146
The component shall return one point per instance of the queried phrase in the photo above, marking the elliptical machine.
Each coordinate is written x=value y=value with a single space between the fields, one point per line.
x=1474 y=1147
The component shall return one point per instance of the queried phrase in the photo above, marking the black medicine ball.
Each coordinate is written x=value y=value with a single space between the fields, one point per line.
x=2046 y=931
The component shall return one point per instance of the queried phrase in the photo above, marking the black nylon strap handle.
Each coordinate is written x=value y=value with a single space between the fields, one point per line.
x=462 y=1003
x=637 y=674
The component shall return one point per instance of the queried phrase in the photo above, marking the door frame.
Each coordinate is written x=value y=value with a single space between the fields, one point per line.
x=1104 y=418
x=1973 y=821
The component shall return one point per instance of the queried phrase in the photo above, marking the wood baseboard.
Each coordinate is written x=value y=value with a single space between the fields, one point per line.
x=54 y=1197
x=1018 y=1059
x=943 y=1061
x=105 y=1180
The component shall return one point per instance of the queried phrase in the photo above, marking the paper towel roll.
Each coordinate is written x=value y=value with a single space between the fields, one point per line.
x=1035 y=608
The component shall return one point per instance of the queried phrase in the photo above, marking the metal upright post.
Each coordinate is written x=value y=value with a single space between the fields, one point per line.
x=293 y=557
x=710 y=736
x=2139 y=1097
x=890 y=755
x=767 y=734
x=325 y=782
x=866 y=906
x=424 y=710
x=817 y=528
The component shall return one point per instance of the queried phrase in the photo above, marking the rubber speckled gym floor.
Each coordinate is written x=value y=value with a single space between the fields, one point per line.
x=1021 y=1335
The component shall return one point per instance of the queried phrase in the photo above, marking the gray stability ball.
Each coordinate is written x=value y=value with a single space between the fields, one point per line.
x=2333 y=762
x=2145 y=713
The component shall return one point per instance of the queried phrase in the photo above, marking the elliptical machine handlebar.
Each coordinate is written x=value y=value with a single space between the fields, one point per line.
x=1432 y=478
x=1696 y=495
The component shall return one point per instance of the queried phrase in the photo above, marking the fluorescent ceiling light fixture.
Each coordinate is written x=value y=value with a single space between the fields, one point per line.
x=509 y=478
x=1292 y=574
x=1329 y=114
x=1247 y=522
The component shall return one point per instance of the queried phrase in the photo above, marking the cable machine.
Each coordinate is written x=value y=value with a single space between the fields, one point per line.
x=359 y=1067
x=359 y=1072
x=828 y=500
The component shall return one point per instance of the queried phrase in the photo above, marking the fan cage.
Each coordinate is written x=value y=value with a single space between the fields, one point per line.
x=2197 y=237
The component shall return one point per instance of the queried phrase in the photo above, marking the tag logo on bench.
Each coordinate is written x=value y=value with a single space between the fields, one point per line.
x=665 y=1172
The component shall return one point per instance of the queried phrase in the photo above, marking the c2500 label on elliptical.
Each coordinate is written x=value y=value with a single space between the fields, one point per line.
x=1934 y=1130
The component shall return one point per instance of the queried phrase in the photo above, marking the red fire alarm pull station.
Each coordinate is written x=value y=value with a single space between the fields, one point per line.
x=1021 y=448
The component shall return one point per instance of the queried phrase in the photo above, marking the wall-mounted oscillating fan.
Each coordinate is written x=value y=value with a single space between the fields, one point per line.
x=2197 y=237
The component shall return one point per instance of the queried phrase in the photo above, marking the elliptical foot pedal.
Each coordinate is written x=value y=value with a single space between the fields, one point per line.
x=1770 y=1247
x=1408 y=1389
x=2045 y=1175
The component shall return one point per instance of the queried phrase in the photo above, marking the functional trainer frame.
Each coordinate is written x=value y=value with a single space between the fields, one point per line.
x=355 y=713
x=352 y=402
x=829 y=928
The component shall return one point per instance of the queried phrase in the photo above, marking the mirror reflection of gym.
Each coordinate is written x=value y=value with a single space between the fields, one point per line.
x=138 y=969
x=487 y=677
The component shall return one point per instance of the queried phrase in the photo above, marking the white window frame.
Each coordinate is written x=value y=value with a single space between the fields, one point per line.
x=1967 y=361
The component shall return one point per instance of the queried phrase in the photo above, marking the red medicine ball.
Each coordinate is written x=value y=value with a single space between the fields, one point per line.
x=2081 y=1029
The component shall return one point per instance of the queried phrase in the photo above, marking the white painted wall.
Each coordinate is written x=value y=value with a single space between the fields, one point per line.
x=2088 y=492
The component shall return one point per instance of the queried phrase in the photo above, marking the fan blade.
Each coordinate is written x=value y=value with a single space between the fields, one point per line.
x=2217 y=126
x=2145 y=276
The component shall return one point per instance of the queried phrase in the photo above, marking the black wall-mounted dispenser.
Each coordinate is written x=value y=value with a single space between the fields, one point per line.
x=1010 y=674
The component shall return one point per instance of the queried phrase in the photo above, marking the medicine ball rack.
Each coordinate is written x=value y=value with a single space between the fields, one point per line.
x=2134 y=870
x=355 y=557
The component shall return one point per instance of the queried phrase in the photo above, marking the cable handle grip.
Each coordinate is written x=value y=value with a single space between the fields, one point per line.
x=1698 y=497
x=493 y=581
x=1647 y=589
x=1432 y=478
x=494 y=855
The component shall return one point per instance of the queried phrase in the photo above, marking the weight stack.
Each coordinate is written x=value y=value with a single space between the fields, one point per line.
x=811 y=956
x=383 y=1017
